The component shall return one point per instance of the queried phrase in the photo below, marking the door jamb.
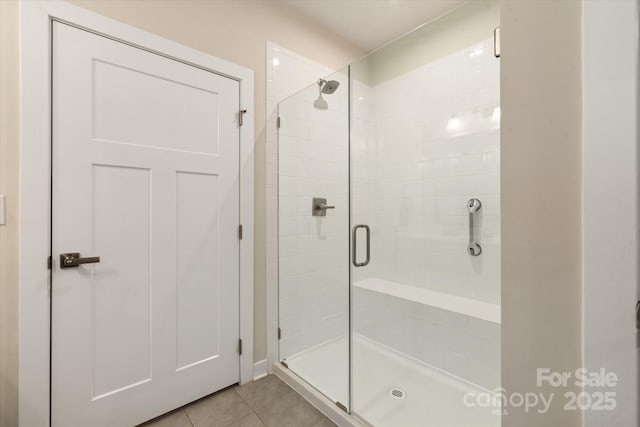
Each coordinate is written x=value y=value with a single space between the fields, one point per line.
x=35 y=196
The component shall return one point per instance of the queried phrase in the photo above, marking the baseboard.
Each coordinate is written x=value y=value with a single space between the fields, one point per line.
x=260 y=369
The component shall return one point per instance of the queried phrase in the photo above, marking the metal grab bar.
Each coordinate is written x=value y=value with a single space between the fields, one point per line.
x=474 y=247
x=354 y=254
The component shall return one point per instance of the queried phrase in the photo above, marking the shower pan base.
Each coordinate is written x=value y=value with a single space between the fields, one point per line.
x=431 y=397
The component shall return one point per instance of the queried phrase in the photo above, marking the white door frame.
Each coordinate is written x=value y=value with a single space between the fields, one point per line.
x=610 y=208
x=35 y=178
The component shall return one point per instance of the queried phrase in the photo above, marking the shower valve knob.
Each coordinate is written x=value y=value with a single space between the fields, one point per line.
x=319 y=207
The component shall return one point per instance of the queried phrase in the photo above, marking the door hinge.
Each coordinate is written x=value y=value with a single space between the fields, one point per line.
x=341 y=406
x=241 y=117
x=49 y=262
x=240 y=347
x=278 y=122
x=496 y=42
x=279 y=333
x=240 y=232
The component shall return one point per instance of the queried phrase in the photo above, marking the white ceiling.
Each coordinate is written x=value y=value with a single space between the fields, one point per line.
x=370 y=24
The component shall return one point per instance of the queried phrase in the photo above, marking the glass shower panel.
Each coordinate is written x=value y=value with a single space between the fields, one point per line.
x=425 y=123
x=313 y=181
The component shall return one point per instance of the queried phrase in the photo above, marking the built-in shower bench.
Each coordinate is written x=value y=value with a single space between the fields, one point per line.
x=461 y=305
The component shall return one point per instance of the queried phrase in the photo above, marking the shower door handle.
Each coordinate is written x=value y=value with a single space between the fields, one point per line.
x=354 y=257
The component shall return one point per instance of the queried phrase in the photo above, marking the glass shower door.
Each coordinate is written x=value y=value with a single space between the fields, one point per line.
x=425 y=146
x=313 y=181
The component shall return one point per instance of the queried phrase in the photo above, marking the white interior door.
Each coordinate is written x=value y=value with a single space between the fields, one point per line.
x=145 y=176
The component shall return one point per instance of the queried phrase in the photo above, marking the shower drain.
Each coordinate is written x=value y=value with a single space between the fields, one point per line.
x=397 y=393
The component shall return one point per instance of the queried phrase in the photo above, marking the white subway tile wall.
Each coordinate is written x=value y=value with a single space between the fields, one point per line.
x=423 y=143
x=314 y=251
x=287 y=74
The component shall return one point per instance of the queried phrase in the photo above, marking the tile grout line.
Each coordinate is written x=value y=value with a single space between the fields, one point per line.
x=253 y=411
x=264 y=422
x=187 y=414
x=289 y=391
x=247 y=416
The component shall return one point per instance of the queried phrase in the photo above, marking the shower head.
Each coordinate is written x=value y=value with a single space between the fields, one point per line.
x=327 y=87
x=320 y=103
x=330 y=86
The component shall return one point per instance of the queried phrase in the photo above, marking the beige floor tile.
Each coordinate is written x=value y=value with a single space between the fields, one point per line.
x=325 y=422
x=289 y=410
x=251 y=420
x=264 y=392
x=218 y=410
x=275 y=405
x=174 y=419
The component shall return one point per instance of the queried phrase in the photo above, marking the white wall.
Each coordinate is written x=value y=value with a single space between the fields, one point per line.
x=540 y=181
x=610 y=202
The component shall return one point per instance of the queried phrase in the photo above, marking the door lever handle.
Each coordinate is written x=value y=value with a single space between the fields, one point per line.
x=72 y=259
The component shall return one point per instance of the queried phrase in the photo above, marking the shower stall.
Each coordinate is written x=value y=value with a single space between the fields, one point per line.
x=389 y=228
